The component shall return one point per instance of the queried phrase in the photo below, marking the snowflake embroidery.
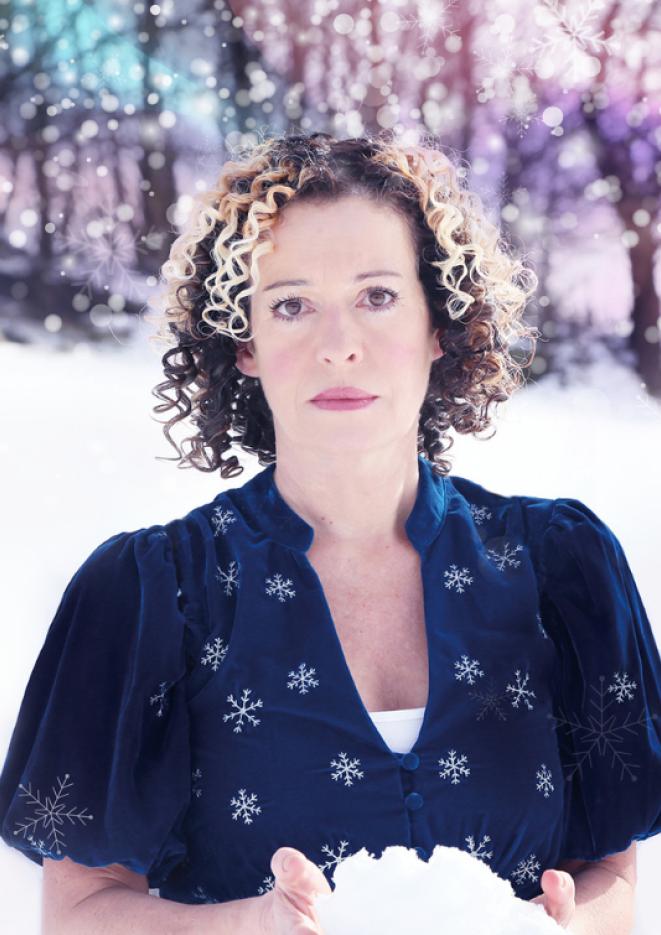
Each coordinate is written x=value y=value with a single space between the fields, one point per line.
x=200 y=893
x=280 y=587
x=160 y=699
x=544 y=785
x=520 y=692
x=229 y=578
x=214 y=653
x=500 y=560
x=196 y=790
x=221 y=520
x=622 y=687
x=479 y=513
x=302 y=679
x=50 y=814
x=267 y=884
x=525 y=870
x=243 y=709
x=454 y=767
x=489 y=700
x=457 y=579
x=467 y=669
x=245 y=807
x=346 y=769
x=335 y=858
x=599 y=732
x=478 y=851
x=540 y=625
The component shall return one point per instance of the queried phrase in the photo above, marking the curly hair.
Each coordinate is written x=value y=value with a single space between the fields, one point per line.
x=476 y=289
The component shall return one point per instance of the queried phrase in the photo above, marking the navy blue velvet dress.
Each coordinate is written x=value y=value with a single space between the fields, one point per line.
x=191 y=709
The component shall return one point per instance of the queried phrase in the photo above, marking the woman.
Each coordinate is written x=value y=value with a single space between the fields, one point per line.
x=219 y=692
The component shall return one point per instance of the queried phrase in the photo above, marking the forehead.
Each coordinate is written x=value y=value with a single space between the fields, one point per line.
x=347 y=232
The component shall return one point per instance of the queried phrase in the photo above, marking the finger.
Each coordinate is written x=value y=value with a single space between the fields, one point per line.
x=560 y=891
x=295 y=872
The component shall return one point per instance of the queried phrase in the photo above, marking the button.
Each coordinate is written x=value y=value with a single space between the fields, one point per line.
x=410 y=761
x=422 y=853
x=413 y=800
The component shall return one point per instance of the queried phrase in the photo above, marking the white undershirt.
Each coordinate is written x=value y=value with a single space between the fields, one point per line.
x=399 y=728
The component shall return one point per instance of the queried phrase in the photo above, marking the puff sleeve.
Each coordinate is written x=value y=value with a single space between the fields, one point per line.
x=98 y=766
x=608 y=686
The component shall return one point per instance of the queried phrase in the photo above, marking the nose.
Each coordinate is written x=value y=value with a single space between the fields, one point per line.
x=339 y=338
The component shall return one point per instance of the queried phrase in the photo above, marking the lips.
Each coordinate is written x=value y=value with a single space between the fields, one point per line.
x=344 y=392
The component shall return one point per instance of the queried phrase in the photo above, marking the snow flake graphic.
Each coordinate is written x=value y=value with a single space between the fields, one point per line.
x=221 y=520
x=280 y=587
x=599 y=732
x=196 y=790
x=160 y=699
x=479 y=513
x=457 y=579
x=506 y=557
x=267 y=884
x=229 y=578
x=50 y=814
x=468 y=670
x=544 y=776
x=302 y=679
x=520 y=692
x=335 y=858
x=622 y=687
x=525 y=870
x=477 y=851
x=568 y=39
x=201 y=894
x=243 y=708
x=432 y=22
x=489 y=700
x=453 y=767
x=245 y=807
x=541 y=626
x=346 y=769
x=214 y=653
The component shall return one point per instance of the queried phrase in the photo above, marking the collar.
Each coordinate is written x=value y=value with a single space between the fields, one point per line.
x=267 y=509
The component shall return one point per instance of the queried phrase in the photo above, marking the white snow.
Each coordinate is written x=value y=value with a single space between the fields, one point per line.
x=78 y=452
x=398 y=893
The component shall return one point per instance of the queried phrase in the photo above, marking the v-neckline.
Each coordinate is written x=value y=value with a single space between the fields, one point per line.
x=370 y=727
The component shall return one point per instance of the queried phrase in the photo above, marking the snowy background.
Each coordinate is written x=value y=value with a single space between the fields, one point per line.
x=78 y=453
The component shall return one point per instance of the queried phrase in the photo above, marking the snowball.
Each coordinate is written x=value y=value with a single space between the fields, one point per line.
x=399 y=893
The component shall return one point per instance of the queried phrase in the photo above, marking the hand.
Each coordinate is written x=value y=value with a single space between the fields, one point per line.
x=557 y=899
x=288 y=908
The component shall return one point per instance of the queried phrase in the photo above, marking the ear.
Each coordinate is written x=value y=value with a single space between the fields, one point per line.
x=437 y=350
x=245 y=358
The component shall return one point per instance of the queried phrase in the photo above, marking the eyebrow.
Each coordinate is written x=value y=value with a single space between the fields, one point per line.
x=306 y=282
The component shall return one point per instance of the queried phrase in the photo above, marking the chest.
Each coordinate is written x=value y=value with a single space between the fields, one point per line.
x=379 y=617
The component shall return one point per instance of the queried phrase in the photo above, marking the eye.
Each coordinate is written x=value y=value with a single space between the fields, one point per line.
x=379 y=290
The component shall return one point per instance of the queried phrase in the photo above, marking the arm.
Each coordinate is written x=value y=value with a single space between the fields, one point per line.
x=119 y=910
x=605 y=894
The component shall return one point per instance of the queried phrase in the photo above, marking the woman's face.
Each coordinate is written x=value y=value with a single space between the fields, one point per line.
x=340 y=327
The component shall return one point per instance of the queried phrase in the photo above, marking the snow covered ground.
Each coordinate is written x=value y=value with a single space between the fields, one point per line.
x=78 y=452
